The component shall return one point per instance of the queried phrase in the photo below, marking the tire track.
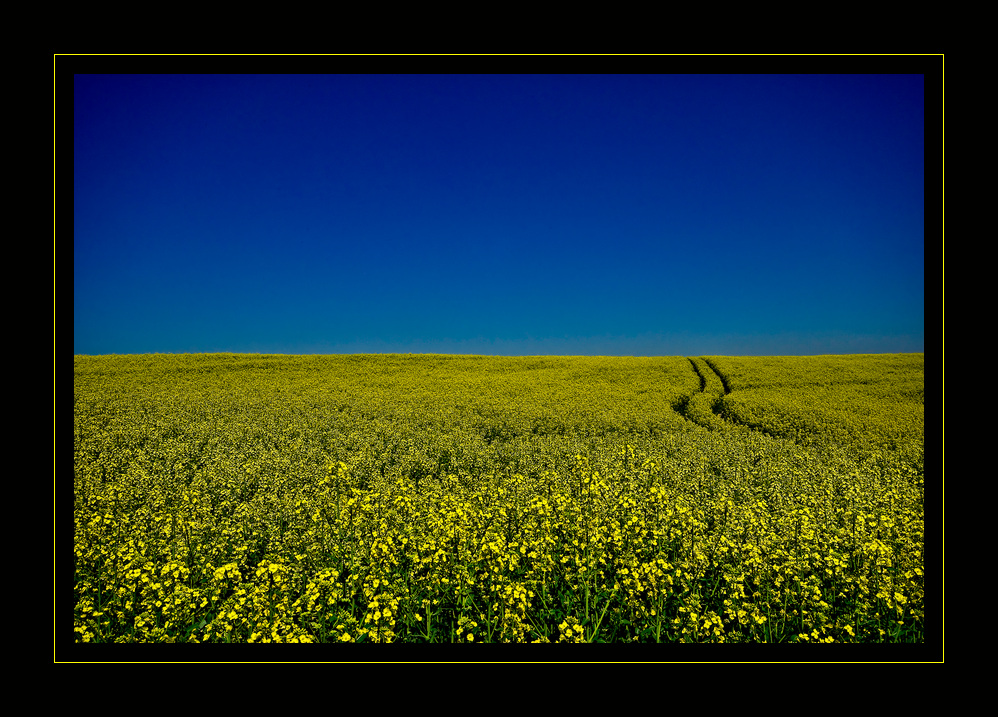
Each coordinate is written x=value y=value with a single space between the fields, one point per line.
x=716 y=407
x=696 y=369
x=701 y=407
x=724 y=381
x=705 y=407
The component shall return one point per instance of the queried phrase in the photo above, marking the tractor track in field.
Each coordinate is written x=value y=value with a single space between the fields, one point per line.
x=724 y=381
x=707 y=372
x=696 y=369
x=715 y=405
x=684 y=408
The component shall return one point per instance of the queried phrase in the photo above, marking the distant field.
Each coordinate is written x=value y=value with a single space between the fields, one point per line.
x=871 y=400
x=431 y=498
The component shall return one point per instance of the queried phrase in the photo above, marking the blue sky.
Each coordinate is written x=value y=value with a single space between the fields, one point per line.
x=516 y=215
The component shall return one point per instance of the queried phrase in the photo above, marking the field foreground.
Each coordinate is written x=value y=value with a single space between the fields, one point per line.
x=429 y=498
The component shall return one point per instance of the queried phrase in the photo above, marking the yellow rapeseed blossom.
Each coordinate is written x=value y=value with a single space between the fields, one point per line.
x=379 y=498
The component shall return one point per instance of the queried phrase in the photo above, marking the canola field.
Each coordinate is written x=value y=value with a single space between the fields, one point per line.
x=437 y=499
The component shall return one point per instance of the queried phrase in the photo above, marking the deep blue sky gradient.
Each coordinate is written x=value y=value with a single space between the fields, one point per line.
x=515 y=215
